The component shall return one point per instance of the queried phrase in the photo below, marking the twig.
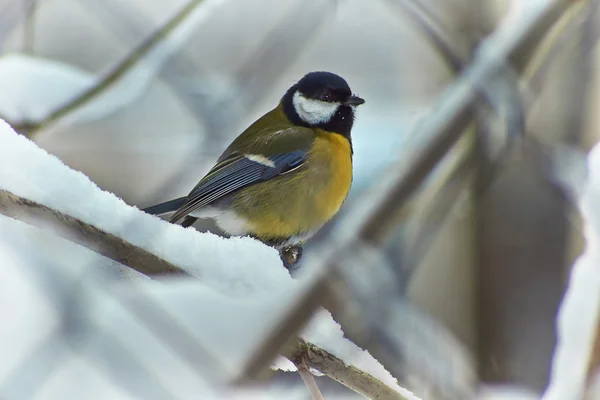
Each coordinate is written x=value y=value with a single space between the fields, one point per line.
x=287 y=41
x=12 y=14
x=119 y=71
x=308 y=378
x=335 y=368
x=125 y=23
x=584 y=73
x=434 y=30
x=29 y=26
x=542 y=66
x=79 y=232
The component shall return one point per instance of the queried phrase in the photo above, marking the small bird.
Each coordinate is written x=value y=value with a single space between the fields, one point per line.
x=286 y=175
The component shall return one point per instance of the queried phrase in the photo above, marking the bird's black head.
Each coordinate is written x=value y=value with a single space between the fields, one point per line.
x=323 y=100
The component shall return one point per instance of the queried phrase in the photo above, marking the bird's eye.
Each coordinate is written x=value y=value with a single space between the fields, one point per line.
x=326 y=95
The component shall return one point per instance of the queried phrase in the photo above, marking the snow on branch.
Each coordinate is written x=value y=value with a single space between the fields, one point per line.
x=147 y=263
x=326 y=363
x=72 y=229
x=579 y=312
x=237 y=275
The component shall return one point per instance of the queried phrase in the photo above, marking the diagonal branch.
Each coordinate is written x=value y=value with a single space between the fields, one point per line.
x=308 y=378
x=443 y=40
x=119 y=71
x=86 y=235
x=335 y=368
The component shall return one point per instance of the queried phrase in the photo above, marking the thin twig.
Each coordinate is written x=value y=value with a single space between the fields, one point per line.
x=12 y=14
x=583 y=73
x=29 y=26
x=119 y=71
x=335 y=368
x=543 y=65
x=434 y=30
x=308 y=378
x=285 y=44
x=125 y=23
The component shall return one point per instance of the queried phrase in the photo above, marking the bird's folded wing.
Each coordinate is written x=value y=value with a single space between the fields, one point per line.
x=235 y=172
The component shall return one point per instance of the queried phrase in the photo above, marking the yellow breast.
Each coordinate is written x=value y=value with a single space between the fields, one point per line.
x=335 y=151
x=301 y=202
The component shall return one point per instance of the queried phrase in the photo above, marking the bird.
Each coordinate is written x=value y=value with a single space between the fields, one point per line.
x=286 y=175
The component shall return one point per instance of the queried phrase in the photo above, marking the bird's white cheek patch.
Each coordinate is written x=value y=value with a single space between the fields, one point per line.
x=314 y=111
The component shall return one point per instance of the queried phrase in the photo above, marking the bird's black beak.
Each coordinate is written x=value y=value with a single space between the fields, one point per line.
x=354 y=101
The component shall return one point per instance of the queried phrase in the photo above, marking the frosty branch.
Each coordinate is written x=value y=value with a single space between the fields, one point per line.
x=79 y=232
x=331 y=366
x=115 y=248
x=110 y=79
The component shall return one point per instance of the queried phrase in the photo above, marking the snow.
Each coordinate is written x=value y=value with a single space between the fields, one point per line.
x=505 y=392
x=242 y=287
x=22 y=78
x=578 y=315
x=51 y=183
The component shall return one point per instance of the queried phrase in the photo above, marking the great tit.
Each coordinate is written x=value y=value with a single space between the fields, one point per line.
x=287 y=174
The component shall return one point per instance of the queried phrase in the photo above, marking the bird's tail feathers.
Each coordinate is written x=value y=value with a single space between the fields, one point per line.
x=166 y=207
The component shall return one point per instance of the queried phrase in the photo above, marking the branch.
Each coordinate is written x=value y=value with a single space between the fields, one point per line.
x=29 y=26
x=308 y=378
x=86 y=235
x=119 y=71
x=444 y=41
x=117 y=249
x=336 y=369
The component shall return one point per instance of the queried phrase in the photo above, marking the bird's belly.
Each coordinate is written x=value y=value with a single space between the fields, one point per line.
x=294 y=207
x=227 y=220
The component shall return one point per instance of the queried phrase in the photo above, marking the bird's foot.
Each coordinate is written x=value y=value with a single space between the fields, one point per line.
x=290 y=256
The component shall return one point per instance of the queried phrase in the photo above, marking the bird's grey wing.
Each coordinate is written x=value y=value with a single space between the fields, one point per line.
x=235 y=172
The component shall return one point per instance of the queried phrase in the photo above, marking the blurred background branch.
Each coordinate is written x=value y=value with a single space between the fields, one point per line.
x=29 y=31
x=113 y=76
x=309 y=380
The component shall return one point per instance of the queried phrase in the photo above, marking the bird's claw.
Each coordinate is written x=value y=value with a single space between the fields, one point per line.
x=290 y=256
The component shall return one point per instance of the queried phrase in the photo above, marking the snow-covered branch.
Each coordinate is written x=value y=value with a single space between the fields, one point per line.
x=308 y=378
x=117 y=249
x=242 y=285
x=326 y=363
x=77 y=231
